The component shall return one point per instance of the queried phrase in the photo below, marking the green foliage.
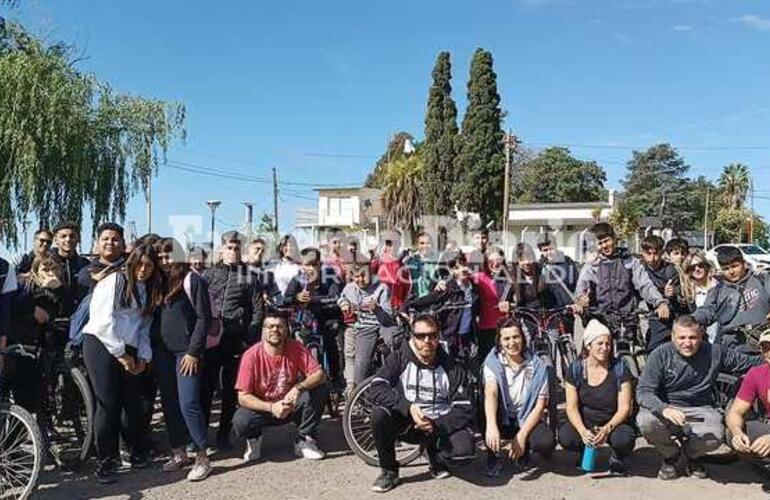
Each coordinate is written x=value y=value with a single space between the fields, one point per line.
x=479 y=163
x=394 y=152
x=656 y=186
x=624 y=220
x=69 y=140
x=761 y=232
x=555 y=176
x=401 y=198
x=440 y=136
x=729 y=225
x=734 y=185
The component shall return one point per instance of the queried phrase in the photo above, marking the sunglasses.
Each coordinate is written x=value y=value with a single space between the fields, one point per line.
x=699 y=265
x=426 y=337
x=45 y=241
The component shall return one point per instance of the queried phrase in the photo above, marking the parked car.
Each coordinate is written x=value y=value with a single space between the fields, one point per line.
x=757 y=257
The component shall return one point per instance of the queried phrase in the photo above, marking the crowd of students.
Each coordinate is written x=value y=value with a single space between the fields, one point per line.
x=159 y=319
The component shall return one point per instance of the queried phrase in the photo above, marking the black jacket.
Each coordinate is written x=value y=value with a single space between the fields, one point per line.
x=561 y=278
x=71 y=266
x=323 y=298
x=441 y=391
x=85 y=278
x=25 y=264
x=238 y=295
x=23 y=327
x=184 y=323
x=448 y=303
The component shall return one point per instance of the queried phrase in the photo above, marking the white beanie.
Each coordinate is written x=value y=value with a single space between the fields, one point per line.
x=593 y=330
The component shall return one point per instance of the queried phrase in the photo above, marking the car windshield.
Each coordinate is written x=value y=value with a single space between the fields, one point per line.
x=753 y=250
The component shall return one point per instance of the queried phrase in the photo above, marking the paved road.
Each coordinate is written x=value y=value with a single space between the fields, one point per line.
x=341 y=476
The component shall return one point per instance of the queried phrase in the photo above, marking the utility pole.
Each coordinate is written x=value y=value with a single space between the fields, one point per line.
x=706 y=222
x=213 y=205
x=510 y=142
x=751 y=217
x=148 y=196
x=249 y=220
x=275 y=201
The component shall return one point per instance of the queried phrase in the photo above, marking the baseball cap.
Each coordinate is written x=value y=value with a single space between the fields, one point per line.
x=765 y=336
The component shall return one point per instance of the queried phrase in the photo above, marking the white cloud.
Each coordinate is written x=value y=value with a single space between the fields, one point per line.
x=754 y=21
x=683 y=28
x=621 y=37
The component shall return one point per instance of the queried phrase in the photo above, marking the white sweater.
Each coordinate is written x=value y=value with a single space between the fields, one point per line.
x=118 y=327
x=284 y=271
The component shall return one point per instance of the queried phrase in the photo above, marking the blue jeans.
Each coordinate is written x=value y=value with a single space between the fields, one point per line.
x=180 y=397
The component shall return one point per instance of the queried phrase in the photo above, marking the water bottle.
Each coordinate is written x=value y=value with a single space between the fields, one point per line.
x=588 y=463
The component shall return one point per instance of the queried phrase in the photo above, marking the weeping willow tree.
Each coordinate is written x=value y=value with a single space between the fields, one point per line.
x=68 y=140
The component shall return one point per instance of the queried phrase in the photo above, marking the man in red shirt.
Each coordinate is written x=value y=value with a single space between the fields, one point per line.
x=749 y=434
x=278 y=382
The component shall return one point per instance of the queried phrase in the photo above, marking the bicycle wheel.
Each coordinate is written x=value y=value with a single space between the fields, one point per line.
x=632 y=364
x=357 y=427
x=70 y=417
x=21 y=452
x=725 y=388
x=567 y=354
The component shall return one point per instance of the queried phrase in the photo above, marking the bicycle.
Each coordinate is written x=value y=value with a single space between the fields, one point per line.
x=22 y=448
x=627 y=343
x=67 y=404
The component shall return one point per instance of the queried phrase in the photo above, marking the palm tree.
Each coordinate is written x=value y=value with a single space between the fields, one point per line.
x=734 y=183
x=401 y=198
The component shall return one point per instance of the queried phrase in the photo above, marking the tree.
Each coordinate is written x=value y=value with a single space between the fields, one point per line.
x=568 y=179
x=656 y=186
x=624 y=220
x=401 y=196
x=394 y=152
x=69 y=140
x=734 y=185
x=479 y=162
x=729 y=224
x=440 y=136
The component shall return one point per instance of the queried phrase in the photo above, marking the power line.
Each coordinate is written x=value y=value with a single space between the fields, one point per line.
x=242 y=176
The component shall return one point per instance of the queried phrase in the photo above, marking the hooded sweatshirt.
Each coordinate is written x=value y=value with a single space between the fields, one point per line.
x=440 y=390
x=382 y=314
x=732 y=305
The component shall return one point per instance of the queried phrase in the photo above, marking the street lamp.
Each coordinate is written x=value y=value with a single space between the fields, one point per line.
x=213 y=205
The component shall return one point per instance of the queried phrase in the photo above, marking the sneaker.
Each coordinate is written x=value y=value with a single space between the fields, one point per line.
x=439 y=471
x=494 y=465
x=178 y=461
x=106 y=473
x=386 y=481
x=253 y=450
x=617 y=466
x=765 y=487
x=307 y=448
x=696 y=469
x=668 y=469
x=201 y=469
x=191 y=448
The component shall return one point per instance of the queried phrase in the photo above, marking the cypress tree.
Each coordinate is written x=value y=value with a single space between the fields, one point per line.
x=439 y=145
x=479 y=163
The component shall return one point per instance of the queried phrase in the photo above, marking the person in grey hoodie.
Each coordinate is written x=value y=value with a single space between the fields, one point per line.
x=676 y=396
x=370 y=303
x=740 y=299
x=614 y=279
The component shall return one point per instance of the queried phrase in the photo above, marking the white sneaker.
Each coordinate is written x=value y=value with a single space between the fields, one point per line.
x=307 y=448
x=200 y=470
x=253 y=450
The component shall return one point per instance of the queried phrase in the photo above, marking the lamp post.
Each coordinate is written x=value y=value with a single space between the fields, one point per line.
x=213 y=205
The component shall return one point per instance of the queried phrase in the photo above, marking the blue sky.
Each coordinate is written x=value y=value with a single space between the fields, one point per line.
x=277 y=83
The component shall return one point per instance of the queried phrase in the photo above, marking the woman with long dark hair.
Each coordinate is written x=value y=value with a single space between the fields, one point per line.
x=116 y=350
x=185 y=319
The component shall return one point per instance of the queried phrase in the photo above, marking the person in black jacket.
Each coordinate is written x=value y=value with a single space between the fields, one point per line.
x=185 y=318
x=558 y=270
x=43 y=241
x=237 y=297
x=665 y=276
x=317 y=290
x=421 y=395
x=111 y=248
x=66 y=237
x=457 y=300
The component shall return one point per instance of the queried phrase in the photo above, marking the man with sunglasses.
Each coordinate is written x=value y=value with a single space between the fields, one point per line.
x=421 y=395
x=740 y=299
x=750 y=435
x=43 y=242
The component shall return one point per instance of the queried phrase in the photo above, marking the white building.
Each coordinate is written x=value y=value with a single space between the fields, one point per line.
x=356 y=211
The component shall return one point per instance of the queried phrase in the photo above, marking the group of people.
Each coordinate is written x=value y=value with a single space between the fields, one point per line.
x=153 y=318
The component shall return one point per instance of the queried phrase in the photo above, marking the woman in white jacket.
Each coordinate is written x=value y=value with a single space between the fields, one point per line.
x=116 y=349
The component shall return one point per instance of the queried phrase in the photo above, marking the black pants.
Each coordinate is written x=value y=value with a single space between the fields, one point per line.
x=333 y=333
x=622 y=439
x=23 y=378
x=389 y=427
x=755 y=429
x=540 y=440
x=115 y=390
x=220 y=370
x=307 y=415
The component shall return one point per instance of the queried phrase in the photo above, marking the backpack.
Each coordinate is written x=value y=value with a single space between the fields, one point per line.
x=214 y=334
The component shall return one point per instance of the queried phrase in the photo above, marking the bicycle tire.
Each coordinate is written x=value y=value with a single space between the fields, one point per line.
x=25 y=452
x=725 y=388
x=568 y=355
x=71 y=427
x=356 y=426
